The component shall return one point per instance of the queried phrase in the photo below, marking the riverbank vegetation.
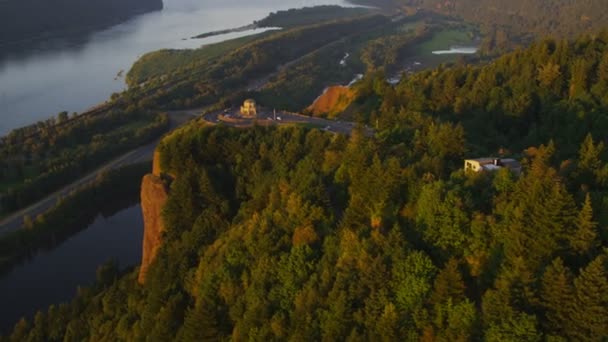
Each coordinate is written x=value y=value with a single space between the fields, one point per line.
x=293 y=233
x=39 y=159
x=171 y=63
x=310 y=15
x=230 y=75
x=109 y=192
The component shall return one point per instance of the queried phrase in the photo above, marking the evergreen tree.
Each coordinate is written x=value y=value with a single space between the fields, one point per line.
x=602 y=70
x=200 y=325
x=448 y=284
x=590 y=162
x=590 y=313
x=584 y=240
x=21 y=331
x=520 y=327
x=557 y=295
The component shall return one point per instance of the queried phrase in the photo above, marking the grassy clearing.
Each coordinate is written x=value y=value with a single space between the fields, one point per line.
x=167 y=61
x=443 y=40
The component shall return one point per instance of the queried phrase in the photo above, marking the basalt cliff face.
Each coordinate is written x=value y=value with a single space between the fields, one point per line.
x=154 y=194
x=334 y=100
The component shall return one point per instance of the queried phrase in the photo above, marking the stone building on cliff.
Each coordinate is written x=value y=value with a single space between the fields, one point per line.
x=248 y=109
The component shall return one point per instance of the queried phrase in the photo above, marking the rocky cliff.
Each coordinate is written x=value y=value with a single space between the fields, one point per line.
x=154 y=193
x=333 y=101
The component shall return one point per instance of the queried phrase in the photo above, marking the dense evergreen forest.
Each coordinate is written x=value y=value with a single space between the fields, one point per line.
x=294 y=233
x=554 y=90
x=35 y=19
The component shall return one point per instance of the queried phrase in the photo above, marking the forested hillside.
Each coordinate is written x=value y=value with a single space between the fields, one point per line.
x=34 y=19
x=294 y=233
x=554 y=90
x=203 y=77
x=505 y=20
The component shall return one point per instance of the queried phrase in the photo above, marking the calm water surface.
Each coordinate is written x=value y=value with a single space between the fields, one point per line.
x=75 y=77
x=52 y=277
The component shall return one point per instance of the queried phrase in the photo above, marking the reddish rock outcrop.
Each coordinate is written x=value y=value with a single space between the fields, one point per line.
x=156 y=163
x=154 y=194
x=333 y=101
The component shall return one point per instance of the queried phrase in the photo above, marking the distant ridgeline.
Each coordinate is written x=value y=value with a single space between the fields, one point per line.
x=35 y=19
x=521 y=18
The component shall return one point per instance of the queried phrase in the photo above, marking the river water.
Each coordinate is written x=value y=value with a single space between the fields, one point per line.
x=52 y=277
x=76 y=76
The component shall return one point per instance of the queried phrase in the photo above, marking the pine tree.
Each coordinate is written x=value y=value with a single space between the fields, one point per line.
x=448 y=284
x=557 y=295
x=589 y=156
x=200 y=324
x=387 y=325
x=21 y=331
x=579 y=78
x=602 y=70
x=547 y=74
x=590 y=314
x=584 y=239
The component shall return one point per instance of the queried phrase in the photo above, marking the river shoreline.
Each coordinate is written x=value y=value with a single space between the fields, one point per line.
x=73 y=76
x=221 y=32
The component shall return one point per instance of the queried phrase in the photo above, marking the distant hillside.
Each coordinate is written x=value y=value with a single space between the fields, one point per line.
x=35 y=19
x=521 y=18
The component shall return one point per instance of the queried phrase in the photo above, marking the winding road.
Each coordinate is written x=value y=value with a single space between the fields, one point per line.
x=143 y=153
x=146 y=152
x=267 y=118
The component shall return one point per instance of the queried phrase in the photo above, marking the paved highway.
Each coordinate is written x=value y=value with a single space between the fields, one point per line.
x=140 y=154
x=266 y=118
x=145 y=153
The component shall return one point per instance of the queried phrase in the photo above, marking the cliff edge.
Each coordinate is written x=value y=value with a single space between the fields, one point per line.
x=154 y=194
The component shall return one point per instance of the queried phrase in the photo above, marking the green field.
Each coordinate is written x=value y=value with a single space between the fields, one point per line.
x=167 y=61
x=443 y=40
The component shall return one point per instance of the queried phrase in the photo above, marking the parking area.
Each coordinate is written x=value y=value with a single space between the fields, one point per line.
x=264 y=117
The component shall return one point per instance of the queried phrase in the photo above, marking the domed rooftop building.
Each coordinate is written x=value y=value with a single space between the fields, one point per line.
x=248 y=109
